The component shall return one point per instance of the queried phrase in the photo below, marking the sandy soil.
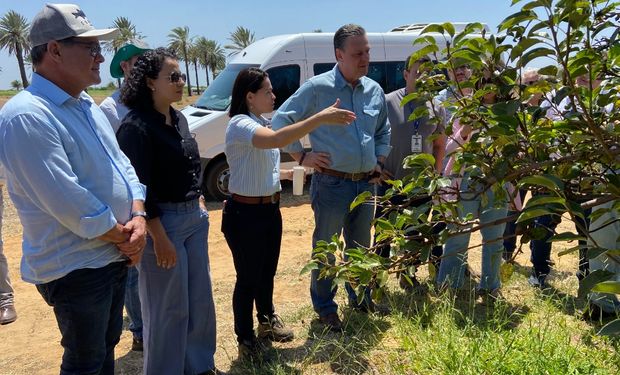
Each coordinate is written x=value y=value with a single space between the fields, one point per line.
x=31 y=344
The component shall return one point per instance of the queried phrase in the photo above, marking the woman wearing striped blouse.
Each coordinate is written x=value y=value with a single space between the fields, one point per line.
x=251 y=221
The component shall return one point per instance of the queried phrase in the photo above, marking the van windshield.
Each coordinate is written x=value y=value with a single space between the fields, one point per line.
x=218 y=95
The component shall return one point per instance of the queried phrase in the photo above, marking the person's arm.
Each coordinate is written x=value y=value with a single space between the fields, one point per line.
x=133 y=141
x=46 y=175
x=439 y=151
x=332 y=115
x=136 y=228
x=165 y=252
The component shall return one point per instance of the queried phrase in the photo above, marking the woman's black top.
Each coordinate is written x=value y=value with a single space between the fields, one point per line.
x=165 y=157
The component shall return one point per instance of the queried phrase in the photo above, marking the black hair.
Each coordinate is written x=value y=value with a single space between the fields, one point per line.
x=37 y=53
x=248 y=80
x=345 y=32
x=135 y=93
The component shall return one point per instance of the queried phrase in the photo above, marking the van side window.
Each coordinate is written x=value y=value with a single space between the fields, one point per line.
x=379 y=72
x=395 y=79
x=285 y=81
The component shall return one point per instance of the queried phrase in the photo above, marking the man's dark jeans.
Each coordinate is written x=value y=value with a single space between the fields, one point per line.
x=88 y=304
x=541 y=249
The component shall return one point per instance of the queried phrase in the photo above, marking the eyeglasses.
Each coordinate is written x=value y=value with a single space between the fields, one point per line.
x=95 y=48
x=175 y=77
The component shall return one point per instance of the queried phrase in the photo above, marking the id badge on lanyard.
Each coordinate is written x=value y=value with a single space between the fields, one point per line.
x=416 y=139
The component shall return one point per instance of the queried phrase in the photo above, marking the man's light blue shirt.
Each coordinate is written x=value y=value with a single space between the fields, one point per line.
x=353 y=148
x=254 y=172
x=67 y=177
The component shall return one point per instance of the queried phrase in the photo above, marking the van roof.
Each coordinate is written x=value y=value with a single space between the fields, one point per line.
x=287 y=47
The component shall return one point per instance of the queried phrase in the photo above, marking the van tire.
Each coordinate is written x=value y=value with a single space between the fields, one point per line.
x=216 y=180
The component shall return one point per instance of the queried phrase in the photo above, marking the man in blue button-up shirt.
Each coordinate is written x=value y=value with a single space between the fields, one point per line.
x=347 y=159
x=77 y=195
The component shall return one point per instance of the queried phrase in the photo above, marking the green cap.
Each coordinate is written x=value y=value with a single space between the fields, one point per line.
x=133 y=48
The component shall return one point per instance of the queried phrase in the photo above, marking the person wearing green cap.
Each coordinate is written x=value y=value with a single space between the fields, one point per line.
x=120 y=67
x=115 y=111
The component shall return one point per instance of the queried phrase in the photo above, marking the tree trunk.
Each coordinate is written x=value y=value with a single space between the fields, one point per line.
x=22 y=67
x=189 y=83
x=207 y=74
x=196 y=72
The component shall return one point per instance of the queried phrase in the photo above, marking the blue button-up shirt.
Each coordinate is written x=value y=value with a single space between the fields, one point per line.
x=67 y=177
x=353 y=148
x=254 y=172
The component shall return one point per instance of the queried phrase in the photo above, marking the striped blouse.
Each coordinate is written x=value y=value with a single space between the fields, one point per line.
x=254 y=172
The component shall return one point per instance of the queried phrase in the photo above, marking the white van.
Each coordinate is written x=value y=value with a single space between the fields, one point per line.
x=289 y=60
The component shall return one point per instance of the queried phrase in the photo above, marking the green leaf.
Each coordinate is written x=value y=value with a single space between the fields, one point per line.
x=569 y=250
x=566 y=236
x=544 y=199
x=362 y=198
x=516 y=18
x=593 y=278
x=426 y=39
x=433 y=28
x=534 y=54
x=533 y=213
x=550 y=182
x=610 y=329
x=309 y=267
x=611 y=287
x=449 y=28
x=549 y=70
x=594 y=252
x=507 y=108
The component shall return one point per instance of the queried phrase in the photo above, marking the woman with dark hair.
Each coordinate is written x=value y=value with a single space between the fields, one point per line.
x=251 y=220
x=175 y=281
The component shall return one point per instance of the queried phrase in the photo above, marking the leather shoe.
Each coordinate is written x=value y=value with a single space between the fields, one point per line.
x=332 y=322
x=7 y=314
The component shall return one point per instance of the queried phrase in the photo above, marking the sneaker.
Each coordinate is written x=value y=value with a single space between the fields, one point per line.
x=332 y=322
x=137 y=345
x=275 y=330
x=537 y=281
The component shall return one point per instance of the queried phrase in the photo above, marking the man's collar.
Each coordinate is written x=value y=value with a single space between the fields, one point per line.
x=54 y=93
x=340 y=82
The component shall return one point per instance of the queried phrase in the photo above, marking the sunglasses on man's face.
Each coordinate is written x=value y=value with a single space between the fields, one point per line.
x=94 y=47
x=175 y=77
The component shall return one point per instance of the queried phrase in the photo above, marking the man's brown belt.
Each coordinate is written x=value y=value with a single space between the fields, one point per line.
x=274 y=198
x=347 y=176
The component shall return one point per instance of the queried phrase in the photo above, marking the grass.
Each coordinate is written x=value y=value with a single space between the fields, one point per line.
x=527 y=332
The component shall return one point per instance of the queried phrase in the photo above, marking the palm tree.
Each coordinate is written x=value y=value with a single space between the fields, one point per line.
x=16 y=85
x=193 y=54
x=127 y=33
x=240 y=39
x=180 y=41
x=14 y=30
x=211 y=55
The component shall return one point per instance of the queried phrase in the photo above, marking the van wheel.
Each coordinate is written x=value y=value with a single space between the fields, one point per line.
x=216 y=180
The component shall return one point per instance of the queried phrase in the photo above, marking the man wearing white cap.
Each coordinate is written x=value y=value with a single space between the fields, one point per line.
x=77 y=195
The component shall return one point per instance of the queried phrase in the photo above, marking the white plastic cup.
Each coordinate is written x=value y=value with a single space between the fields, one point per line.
x=298 y=180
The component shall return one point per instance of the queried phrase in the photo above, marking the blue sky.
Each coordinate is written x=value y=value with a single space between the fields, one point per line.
x=216 y=19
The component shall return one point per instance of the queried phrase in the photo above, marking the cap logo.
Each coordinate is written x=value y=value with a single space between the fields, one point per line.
x=79 y=14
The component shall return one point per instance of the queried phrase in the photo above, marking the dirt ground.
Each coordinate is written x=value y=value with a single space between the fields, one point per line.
x=31 y=344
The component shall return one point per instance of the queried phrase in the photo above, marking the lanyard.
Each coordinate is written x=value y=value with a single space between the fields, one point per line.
x=416 y=123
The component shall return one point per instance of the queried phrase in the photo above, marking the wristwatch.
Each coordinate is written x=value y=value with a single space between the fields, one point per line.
x=139 y=213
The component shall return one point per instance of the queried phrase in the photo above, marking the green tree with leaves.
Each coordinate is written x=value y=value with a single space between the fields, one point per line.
x=14 y=29
x=180 y=41
x=16 y=85
x=193 y=54
x=569 y=161
x=240 y=38
x=210 y=56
